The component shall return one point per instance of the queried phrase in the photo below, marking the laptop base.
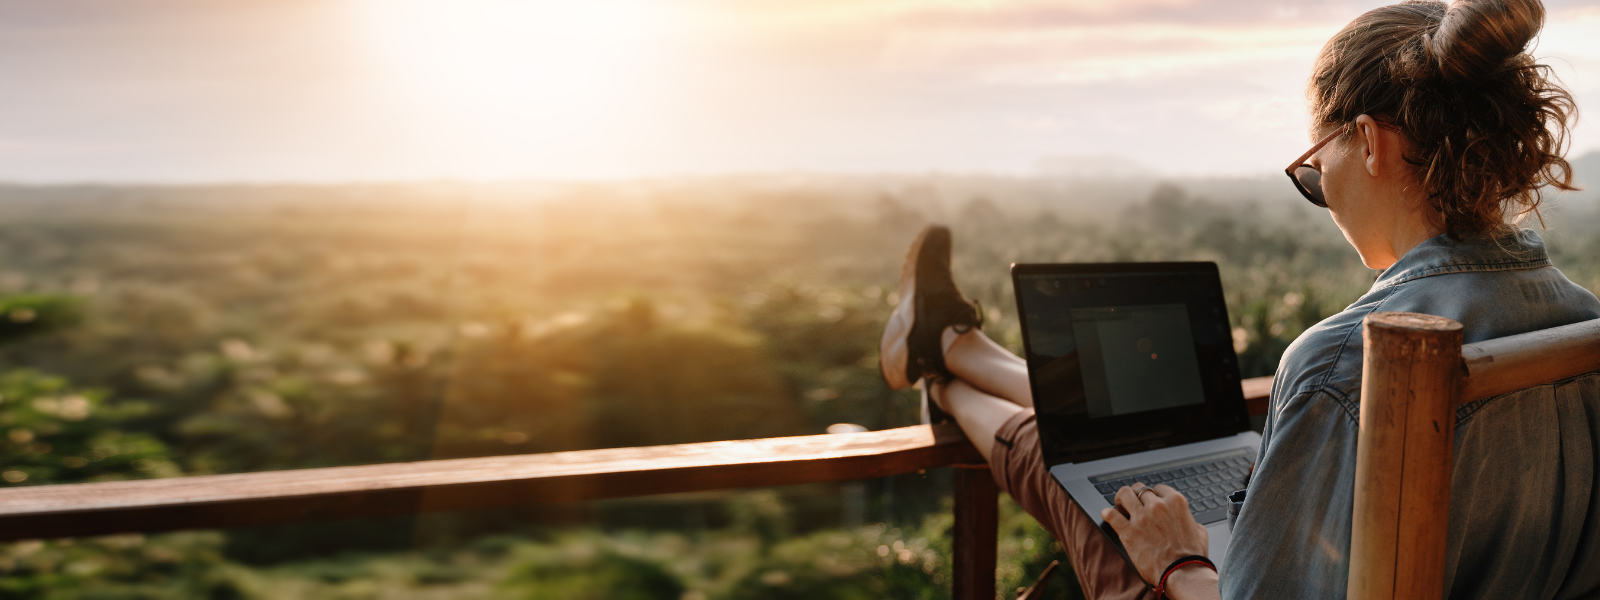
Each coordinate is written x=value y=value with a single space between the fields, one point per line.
x=1080 y=480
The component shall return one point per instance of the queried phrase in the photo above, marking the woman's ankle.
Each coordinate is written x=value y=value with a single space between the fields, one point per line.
x=949 y=337
x=937 y=393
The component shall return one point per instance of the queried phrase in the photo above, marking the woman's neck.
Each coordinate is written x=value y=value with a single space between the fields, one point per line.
x=1408 y=233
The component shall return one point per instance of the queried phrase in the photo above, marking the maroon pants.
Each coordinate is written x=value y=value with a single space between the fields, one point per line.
x=1019 y=470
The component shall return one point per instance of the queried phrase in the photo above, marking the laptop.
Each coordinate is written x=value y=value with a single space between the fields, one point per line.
x=1134 y=378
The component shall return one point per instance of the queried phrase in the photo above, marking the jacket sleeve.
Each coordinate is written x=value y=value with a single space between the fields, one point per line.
x=1292 y=539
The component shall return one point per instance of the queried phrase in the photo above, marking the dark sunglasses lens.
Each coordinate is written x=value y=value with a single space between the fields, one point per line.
x=1311 y=183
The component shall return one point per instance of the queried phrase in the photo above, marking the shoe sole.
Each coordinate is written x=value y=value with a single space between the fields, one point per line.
x=903 y=318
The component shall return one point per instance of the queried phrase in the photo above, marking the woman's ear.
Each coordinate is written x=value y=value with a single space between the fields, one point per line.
x=1374 y=150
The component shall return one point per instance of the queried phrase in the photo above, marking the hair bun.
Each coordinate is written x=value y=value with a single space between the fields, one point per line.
x=1476 y=37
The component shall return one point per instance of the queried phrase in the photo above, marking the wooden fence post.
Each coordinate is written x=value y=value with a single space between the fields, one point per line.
x=976 y=535
x=1410 y=377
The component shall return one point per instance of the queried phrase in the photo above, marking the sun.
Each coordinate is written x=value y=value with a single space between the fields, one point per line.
x=517 y=74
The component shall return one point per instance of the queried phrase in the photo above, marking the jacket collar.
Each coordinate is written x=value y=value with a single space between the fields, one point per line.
x=1518 y=250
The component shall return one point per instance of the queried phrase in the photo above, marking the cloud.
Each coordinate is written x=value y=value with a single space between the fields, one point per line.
x=285 y=89
x=1034 y=15
x=1098 y=53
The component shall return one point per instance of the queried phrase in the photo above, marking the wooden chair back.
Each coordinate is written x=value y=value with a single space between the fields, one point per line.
x=1415 y=373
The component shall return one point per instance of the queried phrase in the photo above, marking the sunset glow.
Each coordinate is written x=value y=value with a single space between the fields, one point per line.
x=186 y=90
x=507 y=76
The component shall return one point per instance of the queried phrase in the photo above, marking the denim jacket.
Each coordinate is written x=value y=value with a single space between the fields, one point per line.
x=1524 y=504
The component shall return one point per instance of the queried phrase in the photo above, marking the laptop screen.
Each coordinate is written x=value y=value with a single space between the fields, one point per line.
x=1124 y=352
x=1136 y=358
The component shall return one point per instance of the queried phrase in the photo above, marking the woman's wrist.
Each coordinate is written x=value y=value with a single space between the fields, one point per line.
x=1194 y=582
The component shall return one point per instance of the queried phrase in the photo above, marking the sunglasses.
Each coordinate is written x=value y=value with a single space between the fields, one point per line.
x=1307 y=178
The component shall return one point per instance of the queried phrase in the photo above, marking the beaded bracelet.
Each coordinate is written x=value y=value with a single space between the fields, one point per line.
x=1193 y=559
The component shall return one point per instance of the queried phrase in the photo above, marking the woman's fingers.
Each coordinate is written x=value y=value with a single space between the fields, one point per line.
x=1128 y=498
x=1115 y=518
x=1168 y=494
x=1142 y=499
x=1155 y=526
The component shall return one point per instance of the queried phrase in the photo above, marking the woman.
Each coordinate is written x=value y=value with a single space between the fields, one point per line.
x=1433 y=133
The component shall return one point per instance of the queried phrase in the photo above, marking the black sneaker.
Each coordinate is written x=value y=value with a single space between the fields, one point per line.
x=929 y=302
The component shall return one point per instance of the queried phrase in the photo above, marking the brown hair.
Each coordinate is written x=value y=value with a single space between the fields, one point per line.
x=1488 y=125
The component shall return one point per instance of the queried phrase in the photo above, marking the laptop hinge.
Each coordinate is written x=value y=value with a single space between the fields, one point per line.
x=1151 y=441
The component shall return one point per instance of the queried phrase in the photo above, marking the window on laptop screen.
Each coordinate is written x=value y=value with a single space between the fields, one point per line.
x=1095 y=349
x=1136 y=358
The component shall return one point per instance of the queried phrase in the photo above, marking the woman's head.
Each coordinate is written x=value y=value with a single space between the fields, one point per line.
x=1484 y=125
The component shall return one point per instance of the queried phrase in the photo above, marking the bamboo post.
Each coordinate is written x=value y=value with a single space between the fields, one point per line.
x=977 y=533
x=1410 y=378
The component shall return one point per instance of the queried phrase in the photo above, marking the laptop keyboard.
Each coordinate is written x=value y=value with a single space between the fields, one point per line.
x=1205 y=481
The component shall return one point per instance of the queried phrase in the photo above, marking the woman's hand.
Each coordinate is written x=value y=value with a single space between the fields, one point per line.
x=1157 y=528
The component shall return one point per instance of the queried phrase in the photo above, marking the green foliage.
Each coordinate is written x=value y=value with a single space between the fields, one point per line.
x=821 y=340
x=174 y=566
x=295 y=542
x=622 y=376
x=56 y=434
x=746 y=562
x=1025 y=550
x=300 y=405
x=33 y=314
x=304 y=327
x=602 y=576
x=212 y=330
x=758 y=556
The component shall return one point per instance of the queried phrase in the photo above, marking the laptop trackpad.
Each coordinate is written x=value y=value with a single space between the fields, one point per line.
x=1217 y=535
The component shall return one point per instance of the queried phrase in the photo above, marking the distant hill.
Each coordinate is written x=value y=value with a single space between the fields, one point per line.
x=1586 y=175
x=1586 y=171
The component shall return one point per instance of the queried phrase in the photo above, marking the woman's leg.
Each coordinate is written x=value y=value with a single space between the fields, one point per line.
x=979 y=413
x=975 y=358
x=988 y=395
x=1008 y=437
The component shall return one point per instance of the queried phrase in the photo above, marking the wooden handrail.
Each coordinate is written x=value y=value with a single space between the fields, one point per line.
x=244 y=499
x=1257 y=393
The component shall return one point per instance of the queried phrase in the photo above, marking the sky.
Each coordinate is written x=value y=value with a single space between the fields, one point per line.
x=190 y=91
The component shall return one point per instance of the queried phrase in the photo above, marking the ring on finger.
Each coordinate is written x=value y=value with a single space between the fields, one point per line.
x=1139 y=493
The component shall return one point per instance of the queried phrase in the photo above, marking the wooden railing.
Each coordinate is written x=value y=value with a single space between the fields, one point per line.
x=248 y=499
x=251 y=499
x=1415 y=373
